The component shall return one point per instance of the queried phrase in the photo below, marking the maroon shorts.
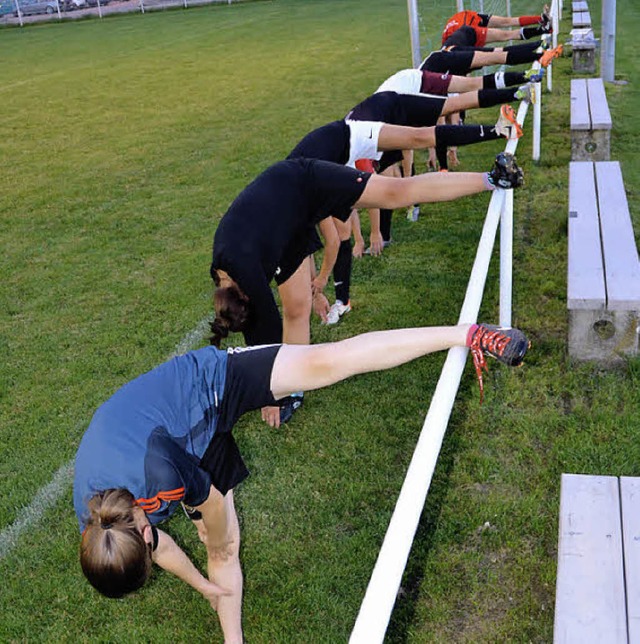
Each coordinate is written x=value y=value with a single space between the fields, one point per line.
x=435 y=83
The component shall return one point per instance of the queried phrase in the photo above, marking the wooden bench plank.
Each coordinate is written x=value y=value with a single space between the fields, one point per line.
x=585 y=271
x=598 y=106
x=580 y=116
x=580 y=5
x=590 y=596
x=582 y=19
x=622 y=266
x=630 y=503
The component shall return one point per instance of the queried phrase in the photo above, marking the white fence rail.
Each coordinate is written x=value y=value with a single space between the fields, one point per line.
x=377 y=605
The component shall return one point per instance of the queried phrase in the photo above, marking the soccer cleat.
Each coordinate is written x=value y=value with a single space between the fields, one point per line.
x=507 y=124
x=545 y=18
x=527 y=93
x=413 y=212
x=289 y=405
x=505 y=172
x=549 y=55
x=534 y=75
x=508 y=346
x=337 y=310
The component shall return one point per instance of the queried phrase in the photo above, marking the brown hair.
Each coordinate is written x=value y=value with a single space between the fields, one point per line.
x=232 y=312
x=113 y=554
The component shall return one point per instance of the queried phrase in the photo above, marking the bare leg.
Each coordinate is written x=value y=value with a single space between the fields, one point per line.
x=400 y=137
x=502 y=35
x=220 y=532
x=296 y=298
x=466 y=101
x=388 y=192
x=313 y=367
x=295 y=295
x=483 y=58
x=465 y=83
x=504 y=21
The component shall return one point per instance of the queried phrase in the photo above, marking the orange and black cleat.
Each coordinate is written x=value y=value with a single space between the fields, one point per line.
x=508 y=346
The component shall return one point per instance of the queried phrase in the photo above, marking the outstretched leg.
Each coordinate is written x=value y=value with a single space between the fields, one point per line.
x=390 y=192
x=314 y=367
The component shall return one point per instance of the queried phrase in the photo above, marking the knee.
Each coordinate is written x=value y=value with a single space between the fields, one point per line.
x=425 y=137
x=298 y=307
x=394 y=190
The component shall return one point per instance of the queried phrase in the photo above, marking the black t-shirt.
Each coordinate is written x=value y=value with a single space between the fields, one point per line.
x=280 y=206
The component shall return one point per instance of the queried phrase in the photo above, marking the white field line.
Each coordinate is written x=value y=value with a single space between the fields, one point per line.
x=51 y=493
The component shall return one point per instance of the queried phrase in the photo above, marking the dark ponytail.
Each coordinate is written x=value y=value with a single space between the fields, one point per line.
x=232 y=313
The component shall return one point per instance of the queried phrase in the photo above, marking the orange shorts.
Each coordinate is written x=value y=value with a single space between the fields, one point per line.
x=461 y=19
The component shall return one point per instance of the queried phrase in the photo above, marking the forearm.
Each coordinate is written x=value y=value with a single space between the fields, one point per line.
x=332 y=244
x=374 y=221
x=173 y=559
x=318 y=366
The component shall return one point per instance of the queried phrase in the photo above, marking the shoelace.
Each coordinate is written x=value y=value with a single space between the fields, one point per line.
x=495 y=342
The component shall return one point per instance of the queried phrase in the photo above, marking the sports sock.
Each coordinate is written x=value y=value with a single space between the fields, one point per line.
x=491 y=97
x=342 y=271
x=531 y=32
x=500 y=80
x=518 y=54
x=452 y=135
x=528 y=20
x=441 y=155
x=385 y=224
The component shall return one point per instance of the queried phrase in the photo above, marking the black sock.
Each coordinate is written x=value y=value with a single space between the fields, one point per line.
x=522 y=53
x=452 y=135
x=532 y=32
x=342 y=271
x=385 y=224
x=441 y=155
x=491 y=97
x=507 y=79
x=524 y=46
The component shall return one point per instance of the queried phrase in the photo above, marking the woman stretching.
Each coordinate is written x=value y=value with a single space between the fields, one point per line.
x=165 y=438
x=269 y=232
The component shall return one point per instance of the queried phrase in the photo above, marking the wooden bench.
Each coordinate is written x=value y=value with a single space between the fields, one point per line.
x=590 y=120
x=581 y=19
x=603 y=276
x=598 y=580
x=580 y=5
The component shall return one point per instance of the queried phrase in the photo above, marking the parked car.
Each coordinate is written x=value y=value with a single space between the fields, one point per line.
x=7 y=7
x=32 y=7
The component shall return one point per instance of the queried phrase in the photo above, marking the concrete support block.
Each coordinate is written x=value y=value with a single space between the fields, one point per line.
x=584 y=60
x=590 y=145
x=605 y=336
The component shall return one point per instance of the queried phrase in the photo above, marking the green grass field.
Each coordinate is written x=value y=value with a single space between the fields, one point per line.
x=124 y=141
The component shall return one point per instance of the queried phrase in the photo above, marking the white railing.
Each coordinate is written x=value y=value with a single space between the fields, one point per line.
x=375 y=610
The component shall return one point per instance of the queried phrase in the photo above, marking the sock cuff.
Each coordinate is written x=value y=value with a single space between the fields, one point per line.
x=528 y=20
x=470 y=333
x=487 y=181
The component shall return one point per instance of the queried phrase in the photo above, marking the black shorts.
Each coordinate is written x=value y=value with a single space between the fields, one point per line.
x=457 y=62
x=247 y=387
x=412 y=110
x=327 y=143
x=297 y=250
